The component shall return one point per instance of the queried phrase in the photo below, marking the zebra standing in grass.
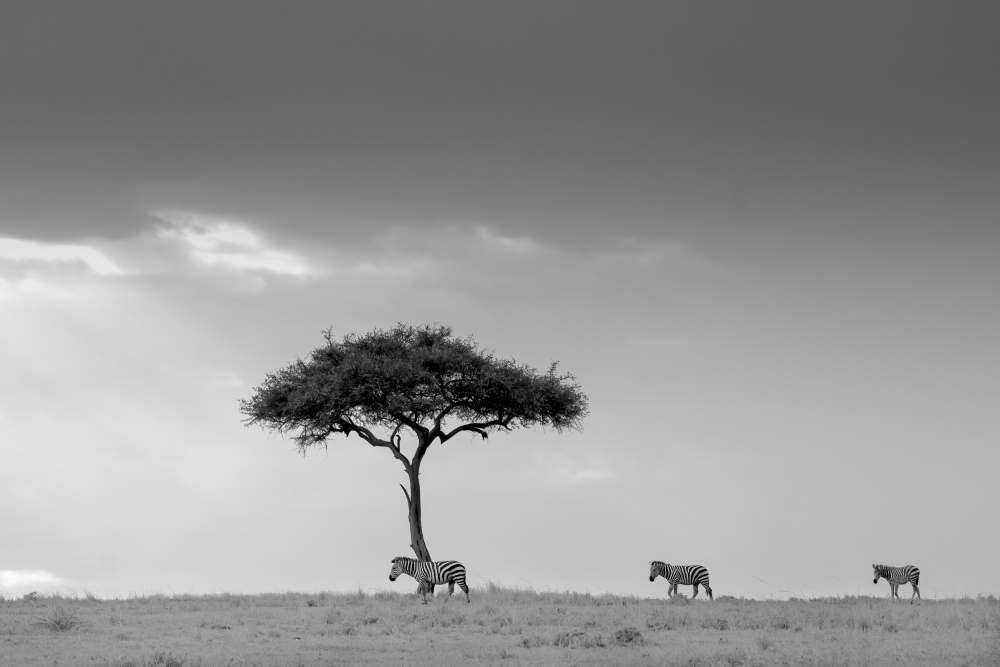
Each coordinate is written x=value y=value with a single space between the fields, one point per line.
x=688 y=575
x=899 y=575
x=449 y=572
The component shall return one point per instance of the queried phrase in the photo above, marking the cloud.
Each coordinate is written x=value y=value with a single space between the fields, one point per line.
x=230 y=244
x=28 y=580
x=638 y=253
x=34 y=251
x=516 y=245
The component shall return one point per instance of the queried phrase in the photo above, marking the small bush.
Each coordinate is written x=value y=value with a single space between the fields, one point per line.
x=577 y=639
x=533 y=642
x=628 y=637
x=715 y=624
x=764 y=643
x=61 y=620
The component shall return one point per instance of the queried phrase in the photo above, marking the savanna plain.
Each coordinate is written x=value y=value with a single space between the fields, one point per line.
x=501 y=626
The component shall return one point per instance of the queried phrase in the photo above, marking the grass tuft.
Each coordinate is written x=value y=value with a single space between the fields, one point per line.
x=61 y=620
x=628 y=637
x=577 y=639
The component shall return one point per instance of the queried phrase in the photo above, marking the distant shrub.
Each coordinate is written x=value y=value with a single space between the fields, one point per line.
x=533 y=642
x=577 y=639
x=628 y=637
x=764 y=643
x=61 y=620
x=715 y=624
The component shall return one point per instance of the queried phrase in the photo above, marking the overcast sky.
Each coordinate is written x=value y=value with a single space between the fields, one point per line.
x=765 y=238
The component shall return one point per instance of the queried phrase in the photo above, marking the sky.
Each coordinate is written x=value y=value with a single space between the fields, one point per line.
x=764 y=237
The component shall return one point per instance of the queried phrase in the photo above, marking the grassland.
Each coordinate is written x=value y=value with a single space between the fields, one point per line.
x=500 y=627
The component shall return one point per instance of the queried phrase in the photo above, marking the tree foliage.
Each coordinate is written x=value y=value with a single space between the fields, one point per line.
x=416 y=377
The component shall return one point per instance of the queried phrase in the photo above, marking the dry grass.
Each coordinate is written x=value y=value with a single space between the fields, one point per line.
x=501 y=626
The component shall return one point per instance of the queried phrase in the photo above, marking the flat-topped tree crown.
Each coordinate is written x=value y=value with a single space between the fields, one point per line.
x=418 y=378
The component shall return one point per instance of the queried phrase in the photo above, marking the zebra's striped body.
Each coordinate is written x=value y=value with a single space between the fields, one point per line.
x=688 y=575
x=449 y=572
x=899 y=575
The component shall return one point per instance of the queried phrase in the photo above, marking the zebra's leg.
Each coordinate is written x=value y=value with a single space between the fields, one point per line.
x=423 y=590
x=451 y=589
x=708 y=589
x=916 y=592
x=465 y=589
x=695 y=594
x=895 y=591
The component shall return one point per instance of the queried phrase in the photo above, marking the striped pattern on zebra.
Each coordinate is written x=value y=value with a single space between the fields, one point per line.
x=688 y=575
x=899 y=575
x=449 y=572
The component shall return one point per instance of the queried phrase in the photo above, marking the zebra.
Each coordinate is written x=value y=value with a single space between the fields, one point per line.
x=898 y=575
x=426 y=573
x=689 y=575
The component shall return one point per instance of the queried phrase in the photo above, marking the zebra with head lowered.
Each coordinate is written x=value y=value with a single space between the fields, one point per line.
x=898 y=575
x=449 y=572
x=688 y=575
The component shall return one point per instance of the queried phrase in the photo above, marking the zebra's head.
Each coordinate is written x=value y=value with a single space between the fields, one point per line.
x=878 y=572
x=657 y=568
x=396 y=569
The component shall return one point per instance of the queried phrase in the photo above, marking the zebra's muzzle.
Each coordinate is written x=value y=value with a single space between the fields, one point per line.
x=652 y=578
x=875 y=581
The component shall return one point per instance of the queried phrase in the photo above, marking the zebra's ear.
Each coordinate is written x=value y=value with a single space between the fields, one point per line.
x=874 y=566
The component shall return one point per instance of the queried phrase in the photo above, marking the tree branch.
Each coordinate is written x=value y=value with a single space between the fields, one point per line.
x=408 y=502
x=392 y=444
x=410 y=423
x=436 y=431
x=478 y=427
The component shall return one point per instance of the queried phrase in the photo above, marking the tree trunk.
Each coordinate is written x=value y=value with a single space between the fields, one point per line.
x=417 y=542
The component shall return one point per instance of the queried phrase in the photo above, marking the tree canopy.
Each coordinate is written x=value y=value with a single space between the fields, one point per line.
x=418 y=377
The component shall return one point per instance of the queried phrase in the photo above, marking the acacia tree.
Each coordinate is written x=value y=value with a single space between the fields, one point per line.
x=418 y=379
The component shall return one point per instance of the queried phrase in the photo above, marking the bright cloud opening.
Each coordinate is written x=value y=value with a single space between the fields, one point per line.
x=18 y=250
x=24 y=579
x=222 y=242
